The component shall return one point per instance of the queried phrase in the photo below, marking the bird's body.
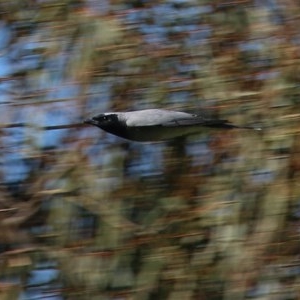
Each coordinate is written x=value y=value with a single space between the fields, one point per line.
x=156 y=124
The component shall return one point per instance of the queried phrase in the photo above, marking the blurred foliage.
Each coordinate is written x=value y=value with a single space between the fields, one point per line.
x=85 y=215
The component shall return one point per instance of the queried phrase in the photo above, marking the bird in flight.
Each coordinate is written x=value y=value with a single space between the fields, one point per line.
x=157 y=124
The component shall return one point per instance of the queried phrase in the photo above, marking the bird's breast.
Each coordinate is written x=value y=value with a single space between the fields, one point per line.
x=159 y=133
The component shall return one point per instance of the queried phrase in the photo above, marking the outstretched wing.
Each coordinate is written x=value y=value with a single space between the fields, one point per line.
x=198 y=120
x=154 y=117
x=168 y=118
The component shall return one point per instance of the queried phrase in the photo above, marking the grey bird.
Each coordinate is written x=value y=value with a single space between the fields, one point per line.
x=157 y=124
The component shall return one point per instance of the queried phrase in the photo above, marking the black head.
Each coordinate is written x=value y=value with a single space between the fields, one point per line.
x=103 y=121
x=109 y=123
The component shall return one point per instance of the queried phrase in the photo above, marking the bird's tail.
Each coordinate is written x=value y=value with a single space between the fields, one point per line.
x=226 y=124
x=244 y=127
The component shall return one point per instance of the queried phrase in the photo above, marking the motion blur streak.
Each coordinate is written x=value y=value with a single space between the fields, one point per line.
x=87 y=215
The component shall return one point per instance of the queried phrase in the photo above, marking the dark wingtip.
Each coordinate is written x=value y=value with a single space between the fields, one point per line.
x=253 y=128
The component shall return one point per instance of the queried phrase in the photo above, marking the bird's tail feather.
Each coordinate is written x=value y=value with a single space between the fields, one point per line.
x=228 y=125
x=212 y=123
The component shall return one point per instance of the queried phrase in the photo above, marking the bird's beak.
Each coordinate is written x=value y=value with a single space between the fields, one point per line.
x=90 y=121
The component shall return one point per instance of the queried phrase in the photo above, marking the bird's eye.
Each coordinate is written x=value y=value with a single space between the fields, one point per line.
x=105 y=118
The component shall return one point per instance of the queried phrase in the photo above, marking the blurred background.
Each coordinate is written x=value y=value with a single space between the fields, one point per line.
x=86 y=215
